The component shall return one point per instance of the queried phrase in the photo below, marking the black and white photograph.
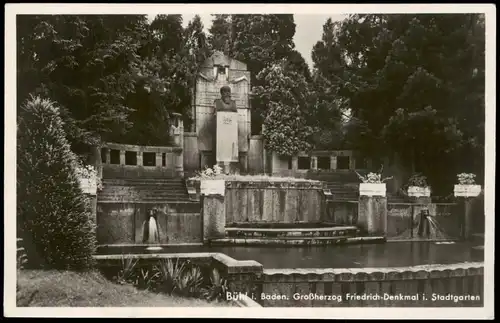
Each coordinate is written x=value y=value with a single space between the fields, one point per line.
x=238 y=160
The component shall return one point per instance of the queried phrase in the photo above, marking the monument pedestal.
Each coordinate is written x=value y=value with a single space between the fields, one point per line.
x=372 y=215
x=227 y=141
x=466 y=204
x=213 y=209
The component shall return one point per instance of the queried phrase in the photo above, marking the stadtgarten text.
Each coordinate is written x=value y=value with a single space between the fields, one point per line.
x=353 y=297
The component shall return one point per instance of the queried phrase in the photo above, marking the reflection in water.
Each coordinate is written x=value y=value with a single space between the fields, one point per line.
x=375 y=255
x=393 y=254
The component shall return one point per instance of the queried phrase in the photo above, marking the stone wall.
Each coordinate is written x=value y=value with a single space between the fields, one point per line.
x=122 y=223
x=455 y=285
x=419 y=284
x=341 y=212
x=317 y=161
x=478 y=214
x=256 y=155
x=278 y=202
x=191 y=153
x=128 y=161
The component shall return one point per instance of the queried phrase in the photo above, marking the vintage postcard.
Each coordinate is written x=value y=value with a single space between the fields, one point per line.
x=238 y=160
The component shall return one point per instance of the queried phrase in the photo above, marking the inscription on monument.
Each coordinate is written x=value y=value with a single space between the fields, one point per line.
x=227 y=127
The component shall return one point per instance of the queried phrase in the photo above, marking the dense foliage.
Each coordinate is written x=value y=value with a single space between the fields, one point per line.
x=117 y=77
x=259 y=41
x=53 y=215
x=288 y=127
x=407 y=85
x=413 y=84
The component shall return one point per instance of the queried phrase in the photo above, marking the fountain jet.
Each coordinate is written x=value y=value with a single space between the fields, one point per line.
x=429 y=228
x=151 y=235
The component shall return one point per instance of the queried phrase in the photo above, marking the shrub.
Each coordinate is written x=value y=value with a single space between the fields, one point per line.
x=217 y=288
x=53 y=214
x=466 y=179
x=373 y=178
x=418 y=180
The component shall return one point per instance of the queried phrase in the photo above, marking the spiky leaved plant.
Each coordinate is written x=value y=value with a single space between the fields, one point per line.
x=217 y=288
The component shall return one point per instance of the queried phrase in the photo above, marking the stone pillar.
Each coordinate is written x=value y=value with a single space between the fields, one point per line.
x=314 y=162
x=97 y=160
x=243 y=158
x=139 y=158
x=179 y=166
x=92 y=198
x=192 y=127
x=158 y=159
x=352 y=163
x=122 y=157
x=107 y=155
x=213 y=209
x=372 y=209
x=372 y=215
x=179 y=141
x=333 y=162
x=468 y=216
x=295 y=163
x=466 y=195
x=180 y=131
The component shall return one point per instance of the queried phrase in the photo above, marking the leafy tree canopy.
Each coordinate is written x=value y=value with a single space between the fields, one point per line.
x=116 y=77
x=414 y=84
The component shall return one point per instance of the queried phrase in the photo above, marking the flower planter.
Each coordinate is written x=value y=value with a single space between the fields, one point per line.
x=418 y=191
x=212 y=187
x=372 y=189
x=467 y=190
x=88 y=185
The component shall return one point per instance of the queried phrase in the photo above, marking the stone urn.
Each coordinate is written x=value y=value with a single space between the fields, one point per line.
x=467 y=190
x=372 y=189
x=419 y=191
x=88 y=185
x=212 y=187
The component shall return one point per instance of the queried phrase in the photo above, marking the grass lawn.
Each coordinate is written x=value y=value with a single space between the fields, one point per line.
x=39 y=288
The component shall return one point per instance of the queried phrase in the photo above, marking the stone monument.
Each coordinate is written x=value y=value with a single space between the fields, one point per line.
x=226 y=145
x=218 y=72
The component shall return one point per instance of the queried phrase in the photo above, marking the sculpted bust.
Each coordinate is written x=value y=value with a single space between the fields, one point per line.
x=225 y=103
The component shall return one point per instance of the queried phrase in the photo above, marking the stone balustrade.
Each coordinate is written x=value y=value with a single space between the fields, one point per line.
x=458 y=285
x=120 y=160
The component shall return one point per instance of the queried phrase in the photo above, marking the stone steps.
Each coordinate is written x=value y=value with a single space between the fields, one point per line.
x=143 y=193
x=296 y=241
x=148 y=181
x=266 y=233
x=141 y=199
x=147 y=185
x=318 y=229
x=143 y=189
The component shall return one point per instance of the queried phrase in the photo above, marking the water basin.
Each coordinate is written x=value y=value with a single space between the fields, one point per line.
x=395 y=254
